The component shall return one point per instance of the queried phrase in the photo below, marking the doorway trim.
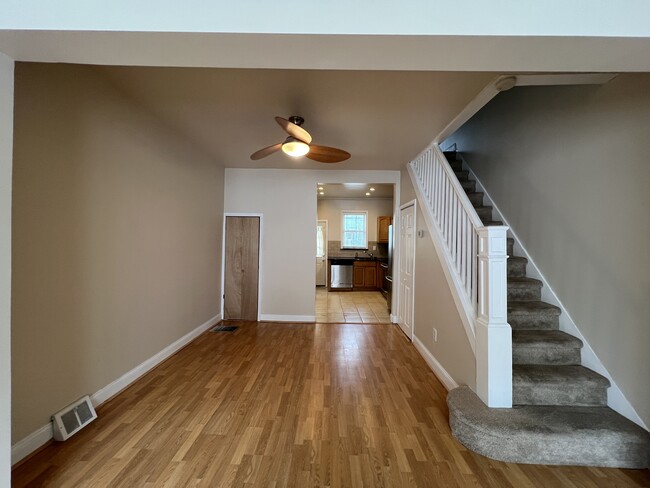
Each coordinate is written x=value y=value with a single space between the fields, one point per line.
x=223 y=257
x=414 y=203
x=326 y=252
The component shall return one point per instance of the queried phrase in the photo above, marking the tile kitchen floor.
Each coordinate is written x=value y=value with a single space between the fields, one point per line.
x=368 y=307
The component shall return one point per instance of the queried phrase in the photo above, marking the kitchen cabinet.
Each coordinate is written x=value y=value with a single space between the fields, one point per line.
x=382 y=228
x=364 y=275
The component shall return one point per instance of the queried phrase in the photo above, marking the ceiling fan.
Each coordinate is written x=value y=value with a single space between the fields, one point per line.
x=299 y=144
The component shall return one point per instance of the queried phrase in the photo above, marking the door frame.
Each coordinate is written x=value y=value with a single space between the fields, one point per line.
x=327 y=231
x=223 y=257
x=414 y=203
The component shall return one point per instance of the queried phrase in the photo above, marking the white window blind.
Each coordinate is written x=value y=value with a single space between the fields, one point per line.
x=354 y=230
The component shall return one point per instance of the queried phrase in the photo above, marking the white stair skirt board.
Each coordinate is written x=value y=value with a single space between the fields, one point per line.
x=615 y=398
x=440 y=372
x=36 y=439
x=267 y=317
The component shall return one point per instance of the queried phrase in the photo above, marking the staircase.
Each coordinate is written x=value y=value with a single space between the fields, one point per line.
x=560 y=413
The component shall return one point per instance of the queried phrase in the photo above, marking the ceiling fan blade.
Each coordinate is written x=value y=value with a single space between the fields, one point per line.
x=294 y=130
x=267 y=151
x=324 y=154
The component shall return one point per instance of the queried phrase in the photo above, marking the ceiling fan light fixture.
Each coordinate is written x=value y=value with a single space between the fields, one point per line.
x=295 y=148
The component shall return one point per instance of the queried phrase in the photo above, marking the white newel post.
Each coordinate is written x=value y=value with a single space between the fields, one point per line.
x=493 y=333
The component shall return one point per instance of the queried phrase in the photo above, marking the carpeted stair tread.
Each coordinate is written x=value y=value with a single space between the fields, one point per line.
x=515 y=306
x=551 y=347
x=532 y=338
x=476 y=198
x=461 y=175
x=557 y=385
x=585 y=436
x=484 y=213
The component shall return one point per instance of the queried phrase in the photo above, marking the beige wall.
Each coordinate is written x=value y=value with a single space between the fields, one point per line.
x=569 y=167
x=330 y=210
x=116 y=236
x=6 y=143
x=434 y=304
x=287 y=199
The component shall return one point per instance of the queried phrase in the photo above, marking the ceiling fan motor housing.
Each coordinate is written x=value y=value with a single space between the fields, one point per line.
x=295 y=119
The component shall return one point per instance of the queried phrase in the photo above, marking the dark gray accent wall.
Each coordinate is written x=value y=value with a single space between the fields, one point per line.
x=569 y=167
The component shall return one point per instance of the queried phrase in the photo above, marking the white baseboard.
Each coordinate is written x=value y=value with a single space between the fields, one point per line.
x=287 y=318
x=615 y=398
x=36 y=439
x=440 y=372
x=29 y=444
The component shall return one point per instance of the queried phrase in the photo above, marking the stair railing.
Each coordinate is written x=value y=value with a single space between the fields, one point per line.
x=475 y=256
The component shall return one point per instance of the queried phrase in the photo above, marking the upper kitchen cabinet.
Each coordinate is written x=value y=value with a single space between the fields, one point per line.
x=382 y=228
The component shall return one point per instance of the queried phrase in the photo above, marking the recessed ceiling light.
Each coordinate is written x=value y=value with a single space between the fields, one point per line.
x=372 y=189
x=367 y=193
x=321 y=193
x=320 y=188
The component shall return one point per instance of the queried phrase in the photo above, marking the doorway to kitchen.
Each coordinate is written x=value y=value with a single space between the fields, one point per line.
x=353 y=252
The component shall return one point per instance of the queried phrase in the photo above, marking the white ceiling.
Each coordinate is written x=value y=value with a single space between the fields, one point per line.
x=355 y=190
x=383 y=118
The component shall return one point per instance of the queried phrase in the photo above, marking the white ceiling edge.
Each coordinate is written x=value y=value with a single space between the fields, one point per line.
x=334 y=52
x=625 y=18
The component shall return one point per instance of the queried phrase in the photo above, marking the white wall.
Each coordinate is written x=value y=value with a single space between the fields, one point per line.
x=435 y=306
x=330 y=210
x=287 y=198
x=569 y=167
x=6 y=155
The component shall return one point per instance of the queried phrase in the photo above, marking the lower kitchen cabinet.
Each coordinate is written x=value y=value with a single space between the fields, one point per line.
x=364 y=275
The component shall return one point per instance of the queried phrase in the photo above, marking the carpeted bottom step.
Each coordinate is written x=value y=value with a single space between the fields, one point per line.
x=584 y=436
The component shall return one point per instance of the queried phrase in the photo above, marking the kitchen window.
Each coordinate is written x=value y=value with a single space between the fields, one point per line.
x=354 y=230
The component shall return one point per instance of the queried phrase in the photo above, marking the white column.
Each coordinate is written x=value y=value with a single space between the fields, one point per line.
x=6 y=157
x=493 y=333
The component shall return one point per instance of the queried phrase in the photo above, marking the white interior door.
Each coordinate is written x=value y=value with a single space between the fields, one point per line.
x=406 y=268
x=321 y=253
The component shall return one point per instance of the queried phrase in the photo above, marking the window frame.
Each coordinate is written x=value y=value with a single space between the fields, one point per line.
x=354 y=212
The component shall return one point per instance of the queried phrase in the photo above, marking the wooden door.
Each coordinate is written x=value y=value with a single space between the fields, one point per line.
x=406 y=269
x=241 y=270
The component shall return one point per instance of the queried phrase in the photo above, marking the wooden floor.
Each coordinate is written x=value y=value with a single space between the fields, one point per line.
x=288 y=405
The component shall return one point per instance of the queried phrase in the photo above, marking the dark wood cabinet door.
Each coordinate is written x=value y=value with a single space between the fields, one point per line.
x=370 y=277
x=382 y=228
x=358 y=279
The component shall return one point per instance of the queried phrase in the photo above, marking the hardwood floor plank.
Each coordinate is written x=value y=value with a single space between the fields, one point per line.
x=288 y=405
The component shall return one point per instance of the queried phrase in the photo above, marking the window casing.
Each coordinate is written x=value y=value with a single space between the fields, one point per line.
x=354 y=229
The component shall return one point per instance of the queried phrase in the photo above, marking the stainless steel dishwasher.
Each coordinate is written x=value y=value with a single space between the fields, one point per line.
x=341 y=273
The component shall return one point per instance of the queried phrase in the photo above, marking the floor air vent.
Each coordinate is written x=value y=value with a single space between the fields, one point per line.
x=73 y=418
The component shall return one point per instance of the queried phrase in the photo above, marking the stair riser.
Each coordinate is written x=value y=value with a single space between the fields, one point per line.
x=456 y=165
x=468 y=186
x=534 y=321
x=552 y=355
x=581 y=395
x=461 y=175
x=511 y=246
x=476 y=199
x=516 y=268
x=484 y=213
x=524 y=291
